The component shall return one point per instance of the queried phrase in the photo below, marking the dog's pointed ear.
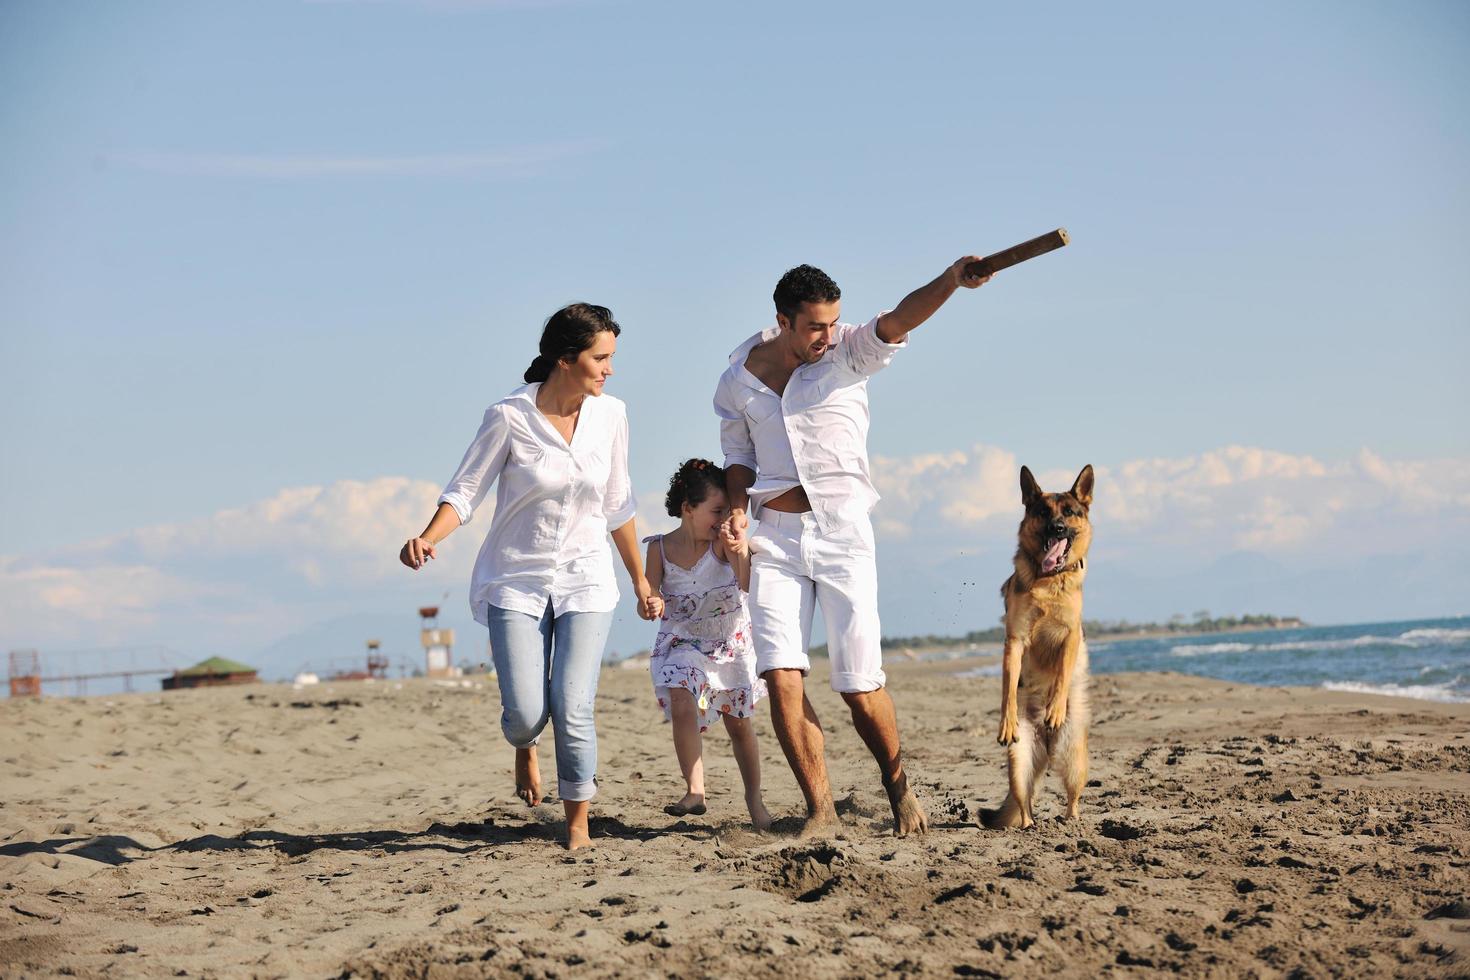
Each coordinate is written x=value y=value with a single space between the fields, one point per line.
x=1030 y=489
x=1082 y=489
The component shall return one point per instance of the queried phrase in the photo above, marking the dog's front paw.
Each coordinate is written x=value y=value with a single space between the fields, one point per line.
x=1056 y=710
x=1008 y=730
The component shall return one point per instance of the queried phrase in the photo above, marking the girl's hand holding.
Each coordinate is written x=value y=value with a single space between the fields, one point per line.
x=650 y=603
x=416 y=553
x=734 y=538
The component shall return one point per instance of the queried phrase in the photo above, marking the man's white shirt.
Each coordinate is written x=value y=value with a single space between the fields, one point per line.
x=815 y=433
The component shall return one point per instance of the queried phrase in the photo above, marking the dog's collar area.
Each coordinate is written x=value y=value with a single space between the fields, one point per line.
x=1076 y=566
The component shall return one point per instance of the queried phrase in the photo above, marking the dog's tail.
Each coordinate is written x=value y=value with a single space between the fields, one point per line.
x=1006 y=816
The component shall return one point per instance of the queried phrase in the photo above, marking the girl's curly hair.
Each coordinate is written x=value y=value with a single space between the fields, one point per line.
x=692 y=484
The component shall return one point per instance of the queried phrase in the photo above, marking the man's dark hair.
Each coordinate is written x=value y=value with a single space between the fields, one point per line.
x=804 y=284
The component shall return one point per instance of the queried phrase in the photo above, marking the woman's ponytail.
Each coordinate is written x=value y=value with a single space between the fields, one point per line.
x=568 y=332
x=539 y=370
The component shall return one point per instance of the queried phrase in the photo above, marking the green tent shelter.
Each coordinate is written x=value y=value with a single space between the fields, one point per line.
x=211 y=673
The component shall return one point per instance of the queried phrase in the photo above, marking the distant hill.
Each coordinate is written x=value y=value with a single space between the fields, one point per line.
x=1202 y=622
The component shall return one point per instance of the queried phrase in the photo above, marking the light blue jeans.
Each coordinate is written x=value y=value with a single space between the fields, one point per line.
x=548 y=667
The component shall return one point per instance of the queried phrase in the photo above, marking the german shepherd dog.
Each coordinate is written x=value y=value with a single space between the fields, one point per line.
x=1043 y=700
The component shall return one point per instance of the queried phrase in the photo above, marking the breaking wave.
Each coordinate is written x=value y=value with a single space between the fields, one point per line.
x=1411 y=639
x=1423 y=692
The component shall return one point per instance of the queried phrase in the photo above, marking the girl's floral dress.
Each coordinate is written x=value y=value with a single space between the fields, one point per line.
x=704 y=643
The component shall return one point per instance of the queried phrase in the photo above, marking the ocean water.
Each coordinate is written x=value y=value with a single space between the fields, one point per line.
x=1427 y=659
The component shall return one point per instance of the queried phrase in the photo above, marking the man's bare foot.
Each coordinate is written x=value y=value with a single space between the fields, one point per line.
x=691 y=805
x=528 y=776
x=908 y=816
x=821 y=823
x=760 y=817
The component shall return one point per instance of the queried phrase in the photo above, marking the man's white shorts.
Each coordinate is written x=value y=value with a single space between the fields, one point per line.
x=795 y=565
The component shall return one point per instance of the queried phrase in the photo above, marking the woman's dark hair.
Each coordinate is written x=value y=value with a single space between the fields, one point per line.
x=804 y=284
x=692 y=485
x=568 y=332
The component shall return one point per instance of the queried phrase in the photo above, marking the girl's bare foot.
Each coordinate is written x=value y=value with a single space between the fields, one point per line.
x=578 y=835
x=760 y=817
x=528 y=776
x=691 y=805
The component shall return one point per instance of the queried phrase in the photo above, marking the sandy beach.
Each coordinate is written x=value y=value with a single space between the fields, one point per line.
x=370 y=830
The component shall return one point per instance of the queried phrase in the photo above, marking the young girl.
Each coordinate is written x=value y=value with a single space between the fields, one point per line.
x=703 y=662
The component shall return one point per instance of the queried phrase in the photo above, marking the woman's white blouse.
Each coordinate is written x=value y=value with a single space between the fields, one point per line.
x=554 y=507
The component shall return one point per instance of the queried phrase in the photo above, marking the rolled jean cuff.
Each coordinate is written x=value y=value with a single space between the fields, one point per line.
x=517 y=745
x=571 y=792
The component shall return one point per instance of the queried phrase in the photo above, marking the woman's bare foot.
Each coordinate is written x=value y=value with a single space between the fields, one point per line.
x=691 y=805
x=528 y=776
x=908 y=816
x=760 y=817
x=578 y=835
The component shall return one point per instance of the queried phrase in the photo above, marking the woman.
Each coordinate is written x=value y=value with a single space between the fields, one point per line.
x=543 y=583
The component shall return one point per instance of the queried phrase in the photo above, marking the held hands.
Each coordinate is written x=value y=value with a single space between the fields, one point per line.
x=650 y=605
x=962 y=278
x=737 y=519
x=416 y=553
x=732 y=535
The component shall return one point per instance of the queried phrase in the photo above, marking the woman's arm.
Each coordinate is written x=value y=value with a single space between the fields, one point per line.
x=625 y=539
x=618 y=508
x=420 y=549
x=481 y=466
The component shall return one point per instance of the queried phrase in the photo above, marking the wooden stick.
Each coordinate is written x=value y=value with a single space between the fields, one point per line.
x=1018 y=253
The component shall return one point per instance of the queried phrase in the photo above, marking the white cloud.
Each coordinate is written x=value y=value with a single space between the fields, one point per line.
x=979 y=484
x=247 y=575
x=242 y=574
x=130 y=592
x=652 y=518
x=517 y=161
x=1235 y=498
x=351 y=526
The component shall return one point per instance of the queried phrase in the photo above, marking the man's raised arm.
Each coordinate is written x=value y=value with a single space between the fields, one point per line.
x=922 y=303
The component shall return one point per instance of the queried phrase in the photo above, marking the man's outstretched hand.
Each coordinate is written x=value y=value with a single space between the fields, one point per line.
x=963 y=278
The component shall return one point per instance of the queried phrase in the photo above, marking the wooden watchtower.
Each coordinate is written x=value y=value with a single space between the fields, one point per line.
x=438 y=644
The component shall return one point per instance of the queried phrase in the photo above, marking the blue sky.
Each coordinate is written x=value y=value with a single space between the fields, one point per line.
x=257 y=259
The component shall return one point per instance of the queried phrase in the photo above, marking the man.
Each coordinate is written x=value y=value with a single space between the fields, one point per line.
x=793 y=409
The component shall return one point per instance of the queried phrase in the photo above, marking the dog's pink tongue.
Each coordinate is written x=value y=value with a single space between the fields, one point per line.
x=1054 y=554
